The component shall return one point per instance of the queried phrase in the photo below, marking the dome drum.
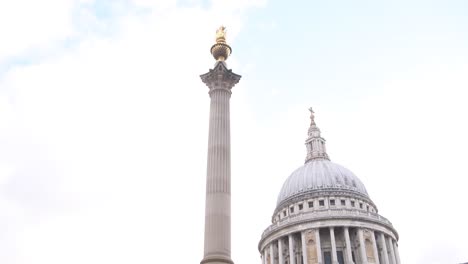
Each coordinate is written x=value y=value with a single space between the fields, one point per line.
x=323 y=193
x=377 y=223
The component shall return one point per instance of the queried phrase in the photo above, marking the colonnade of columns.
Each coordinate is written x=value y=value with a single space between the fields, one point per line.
x=332 y=245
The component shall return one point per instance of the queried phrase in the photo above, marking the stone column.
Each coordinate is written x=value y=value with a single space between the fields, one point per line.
x=280 y=251
x=292 y=259
x=272 y=253
x=333 y=244
x=384 y=249
x=349 y=254
x=217 y=249
x=392 y=252
x=397 y=254
x=304 y=247
x=362 y=247
x=319 y=246
x=376 y=252
x=263 y=257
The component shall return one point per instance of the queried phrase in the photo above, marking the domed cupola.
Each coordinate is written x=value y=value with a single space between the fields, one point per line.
x=318 y=174
x=324 y=215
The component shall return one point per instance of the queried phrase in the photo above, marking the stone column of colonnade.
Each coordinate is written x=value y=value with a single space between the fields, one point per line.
x=374 y=248
x=349 y=254
x=392 y=252
x=385 y=259
x=333 y=244
x=220 y=80
x=292 y=245
x=304 y=247
x=319 y=245
x=397 y=254
x=362 y=247
x=280 y=251
x=389 y=248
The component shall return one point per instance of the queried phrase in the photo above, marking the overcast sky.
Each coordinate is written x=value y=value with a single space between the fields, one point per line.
x=104 y=121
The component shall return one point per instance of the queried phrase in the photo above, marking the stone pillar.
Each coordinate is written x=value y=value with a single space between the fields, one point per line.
x=319 y=246
x=385 y=259
x=333 y=244
x=263 y=257
x=280 y=251
x=292 y=245
x=217 y=248
x=362 y=247
x=349 y=254
x=376 y=252
x=304 y=247
x=392 y=252
x=397 y=253
x=272 y=253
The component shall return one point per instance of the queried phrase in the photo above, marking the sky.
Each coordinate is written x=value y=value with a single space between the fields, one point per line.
x=104 y=121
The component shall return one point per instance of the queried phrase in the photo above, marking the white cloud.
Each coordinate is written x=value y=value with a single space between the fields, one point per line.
x=26 y=24
x=101 y=142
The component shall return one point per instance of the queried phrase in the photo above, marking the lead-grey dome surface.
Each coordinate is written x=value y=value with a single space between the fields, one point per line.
x=319 y=175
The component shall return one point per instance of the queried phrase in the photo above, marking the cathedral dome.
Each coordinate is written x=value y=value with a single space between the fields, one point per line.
x=324 y=215
x=320 y=175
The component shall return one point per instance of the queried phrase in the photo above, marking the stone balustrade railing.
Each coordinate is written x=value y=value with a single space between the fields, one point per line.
x=326 y=214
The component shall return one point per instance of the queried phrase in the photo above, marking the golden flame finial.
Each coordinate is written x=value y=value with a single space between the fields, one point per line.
x=221 y=34
x=221 y=50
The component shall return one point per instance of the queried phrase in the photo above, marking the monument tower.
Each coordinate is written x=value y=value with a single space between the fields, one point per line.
x=220 y=81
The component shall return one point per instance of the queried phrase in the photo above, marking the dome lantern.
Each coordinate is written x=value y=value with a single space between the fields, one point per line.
x=315 y=143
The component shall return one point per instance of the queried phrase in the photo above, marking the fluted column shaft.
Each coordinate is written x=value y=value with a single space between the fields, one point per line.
x=392 y=252
x=218 y=181
x=280 y=251
x=304 y=247
x=333 y=244
x=362 y=247
x=376 y=252
x=397 y=253
x=319 y=245
x=272 y=254
x=385 y=259
x=349 y=254
x=292 y=244
x=217 y=248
